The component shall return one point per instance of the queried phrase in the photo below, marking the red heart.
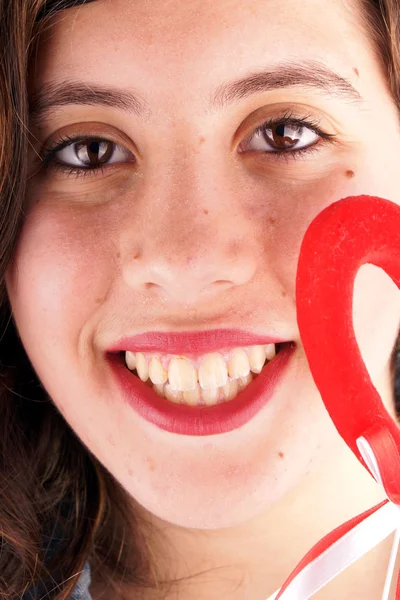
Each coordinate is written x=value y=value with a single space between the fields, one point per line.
x=343 y=237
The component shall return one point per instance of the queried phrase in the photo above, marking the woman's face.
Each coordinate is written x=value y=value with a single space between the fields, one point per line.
x=195 y=223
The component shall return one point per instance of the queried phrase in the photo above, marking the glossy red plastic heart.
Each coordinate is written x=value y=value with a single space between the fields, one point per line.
x=349 y=233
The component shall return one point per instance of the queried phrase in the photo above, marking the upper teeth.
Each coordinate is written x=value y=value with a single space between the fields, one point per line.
x=210 y=371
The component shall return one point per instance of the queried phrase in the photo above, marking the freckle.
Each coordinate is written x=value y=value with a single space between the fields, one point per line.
x=201 y=139
x=350 y=174
x=151 y=464
x=118 y=254
x=356 y=71
x=137 y=255
x=281 y=455
x=205 y=211
x=99 y=300
x=284 y=294
x=272 y=221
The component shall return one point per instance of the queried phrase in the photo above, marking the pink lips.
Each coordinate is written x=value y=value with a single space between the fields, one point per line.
x=195 y=342
x=197 y=420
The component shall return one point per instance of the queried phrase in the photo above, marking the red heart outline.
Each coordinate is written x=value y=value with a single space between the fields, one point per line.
x=346 y=235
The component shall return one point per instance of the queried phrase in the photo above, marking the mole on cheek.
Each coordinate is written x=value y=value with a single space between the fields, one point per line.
x=151 y=464
x=281 y=455
x=350 y=174
x=356 y=71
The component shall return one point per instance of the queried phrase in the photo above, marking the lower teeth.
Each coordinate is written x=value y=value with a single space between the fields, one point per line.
x=201 y=397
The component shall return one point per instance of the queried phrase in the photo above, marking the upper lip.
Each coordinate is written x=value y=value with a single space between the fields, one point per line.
x=192 y=342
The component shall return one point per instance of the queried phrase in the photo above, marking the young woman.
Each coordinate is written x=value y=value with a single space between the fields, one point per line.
x=162 y=436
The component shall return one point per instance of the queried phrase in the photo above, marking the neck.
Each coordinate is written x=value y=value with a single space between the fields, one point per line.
x=254 y=559
x=251 y=561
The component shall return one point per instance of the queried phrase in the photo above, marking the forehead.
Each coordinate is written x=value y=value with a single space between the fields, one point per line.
x=160 y=45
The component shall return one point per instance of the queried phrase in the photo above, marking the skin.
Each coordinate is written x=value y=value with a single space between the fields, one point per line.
x=253 y=500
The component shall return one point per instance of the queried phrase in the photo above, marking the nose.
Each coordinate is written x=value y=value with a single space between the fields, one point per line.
x=187 y=248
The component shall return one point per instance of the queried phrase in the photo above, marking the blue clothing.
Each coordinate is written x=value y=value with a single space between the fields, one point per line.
x=43 y=588
x=53 y=540
x=80 y=591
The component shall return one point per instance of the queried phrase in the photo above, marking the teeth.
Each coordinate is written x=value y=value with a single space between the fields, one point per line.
x=157 y=373
x=213 y=378
x=182 y=374
x=192 y=396
x=238 y=365
x=213 y=372
x=130 y=360
x=270 y=351
x=159 y=389
x=173 y=395
x=141 y=366
x=257 y=356
x=243 y=382
x=210 y=396
x=231 y=389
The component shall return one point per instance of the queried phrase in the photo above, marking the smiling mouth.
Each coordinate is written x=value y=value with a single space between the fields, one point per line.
x=206 y=380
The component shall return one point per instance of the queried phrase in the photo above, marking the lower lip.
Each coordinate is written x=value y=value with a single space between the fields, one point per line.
x=201 y=420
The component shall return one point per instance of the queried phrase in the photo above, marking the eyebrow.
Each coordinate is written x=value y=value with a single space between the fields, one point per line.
x=307 y=74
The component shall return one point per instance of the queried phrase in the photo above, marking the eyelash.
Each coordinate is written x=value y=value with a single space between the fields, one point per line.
x=48 y=155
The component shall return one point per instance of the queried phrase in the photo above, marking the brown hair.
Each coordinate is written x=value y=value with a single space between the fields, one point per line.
x=51 y=484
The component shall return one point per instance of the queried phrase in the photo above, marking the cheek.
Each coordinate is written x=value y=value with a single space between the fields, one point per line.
x=295 y=203
x=376 y=302
x=57 y=277
x=290 y=211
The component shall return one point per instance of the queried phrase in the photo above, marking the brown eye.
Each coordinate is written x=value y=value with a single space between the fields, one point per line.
x=281 y=137
x=93 y=152
x=84 y=155
x=89 y=154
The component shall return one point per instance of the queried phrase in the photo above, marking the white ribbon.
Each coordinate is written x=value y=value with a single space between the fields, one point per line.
x=351 y=546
